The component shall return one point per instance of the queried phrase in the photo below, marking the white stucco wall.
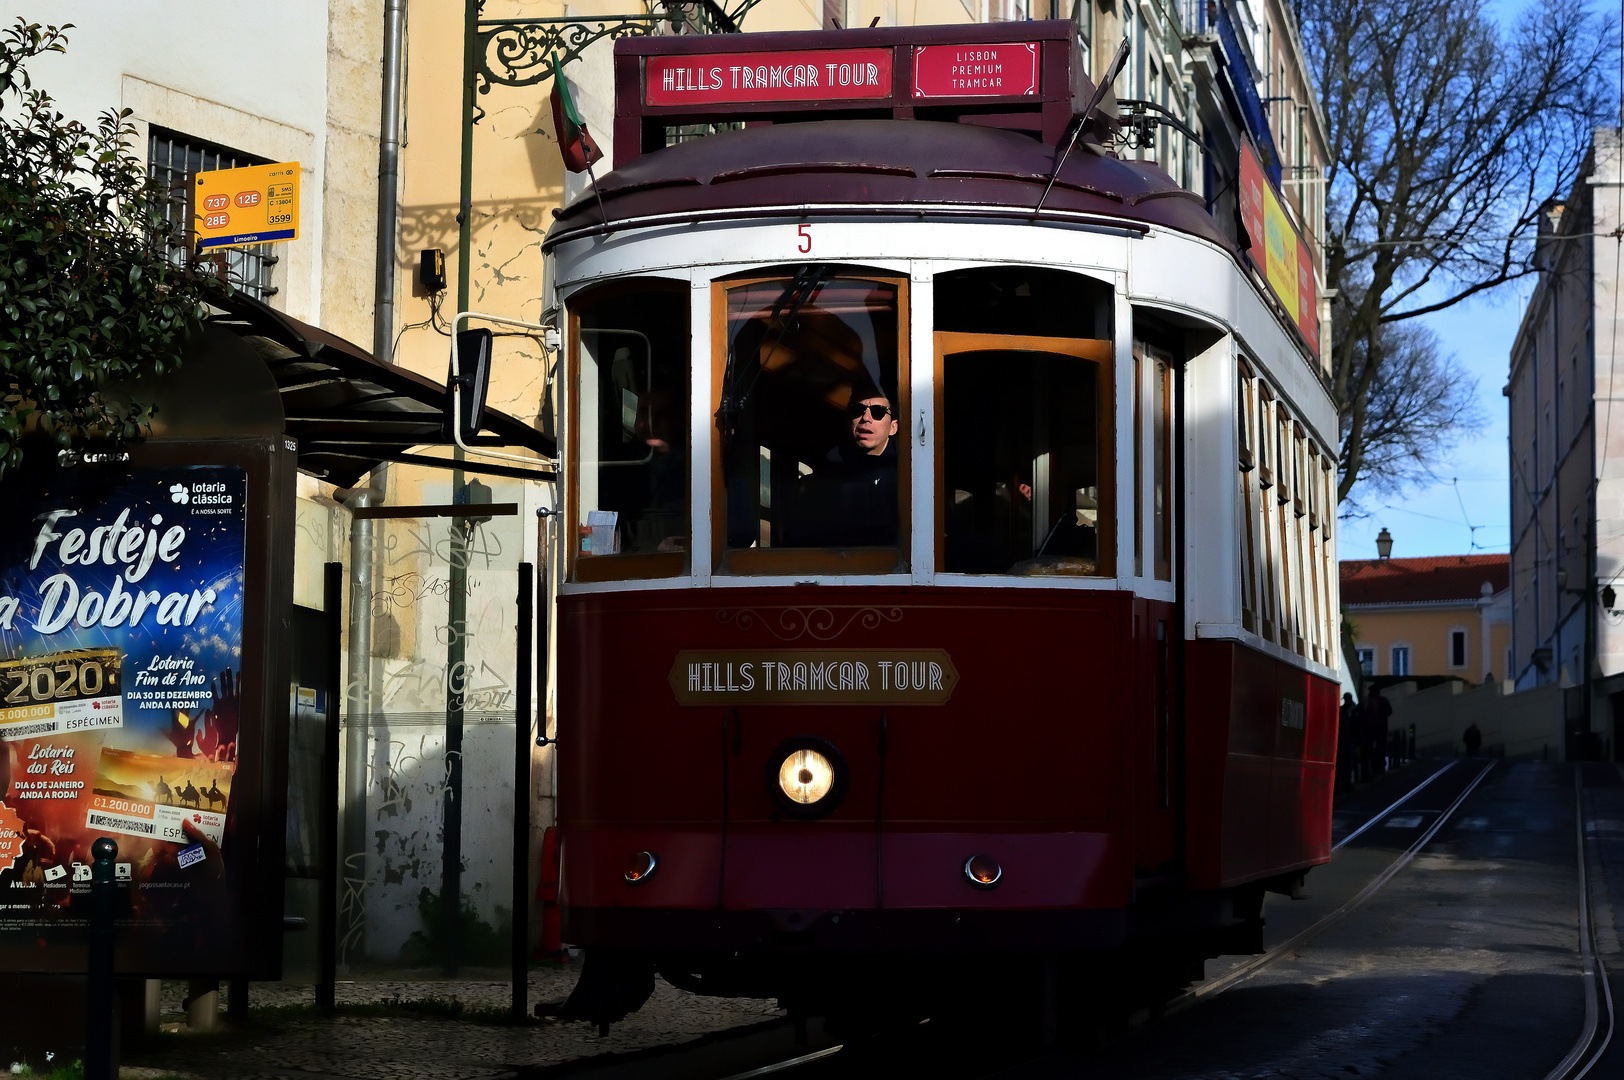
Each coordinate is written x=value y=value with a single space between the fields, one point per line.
x=252 y=79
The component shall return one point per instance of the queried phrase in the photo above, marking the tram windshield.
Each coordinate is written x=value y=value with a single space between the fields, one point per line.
x=630 y=425
x=809 y=415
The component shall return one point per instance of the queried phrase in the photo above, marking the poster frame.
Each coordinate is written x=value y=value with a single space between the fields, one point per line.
x=259 y=790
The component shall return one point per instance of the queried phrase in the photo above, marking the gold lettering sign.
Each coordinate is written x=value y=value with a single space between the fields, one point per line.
x=813 y=677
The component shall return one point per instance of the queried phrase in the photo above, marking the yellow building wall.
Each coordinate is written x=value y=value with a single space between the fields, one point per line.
x=1427 y=632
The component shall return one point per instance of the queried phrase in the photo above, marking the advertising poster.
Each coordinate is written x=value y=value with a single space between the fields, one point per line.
x=121 y=656
x=1277 y=249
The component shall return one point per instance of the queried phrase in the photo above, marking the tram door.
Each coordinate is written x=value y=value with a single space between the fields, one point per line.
x=1155 y=735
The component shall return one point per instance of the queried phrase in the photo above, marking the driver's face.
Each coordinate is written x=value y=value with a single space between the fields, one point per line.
x=871 y=434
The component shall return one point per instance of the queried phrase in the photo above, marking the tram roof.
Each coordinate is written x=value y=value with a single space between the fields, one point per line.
x=874 y=167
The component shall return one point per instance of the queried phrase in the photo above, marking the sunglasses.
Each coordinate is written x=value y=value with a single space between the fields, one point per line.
x=877 y=412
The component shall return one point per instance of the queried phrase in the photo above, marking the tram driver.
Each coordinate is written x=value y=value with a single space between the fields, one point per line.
x=852 y=497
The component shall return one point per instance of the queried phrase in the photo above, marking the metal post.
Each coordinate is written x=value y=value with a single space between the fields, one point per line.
x=383 y=309
x=327 y=845
x=523 y=747
x=358 y=701
x=456 y=679
x=465 y=191
x=237 y=1000
x=99 y=1064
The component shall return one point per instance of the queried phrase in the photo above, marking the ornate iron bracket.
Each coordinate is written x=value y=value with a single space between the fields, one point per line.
x=518 y=52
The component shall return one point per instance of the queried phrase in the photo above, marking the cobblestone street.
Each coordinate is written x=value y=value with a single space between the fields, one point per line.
x=414 y=1032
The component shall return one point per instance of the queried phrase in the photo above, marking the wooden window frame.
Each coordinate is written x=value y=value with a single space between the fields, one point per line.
x=1244 y=391
x=1299 y=462
x=1265 y=427
x=1102 y=352
x=825 y=561
x=1162 y=562
x=644 y=566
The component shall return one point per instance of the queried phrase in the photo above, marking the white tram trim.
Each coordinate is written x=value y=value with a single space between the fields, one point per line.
x=1163 y=270
x=912 y=212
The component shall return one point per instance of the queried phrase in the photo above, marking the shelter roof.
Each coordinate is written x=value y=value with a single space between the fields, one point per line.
x=350 y=411
x=1431 y=580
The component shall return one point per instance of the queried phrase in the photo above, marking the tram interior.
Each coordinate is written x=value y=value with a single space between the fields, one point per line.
x=1025 y=403
x=633 y=425
x=809 y=411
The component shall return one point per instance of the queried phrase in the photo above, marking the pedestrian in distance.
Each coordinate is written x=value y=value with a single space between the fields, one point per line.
x=1380 y=712
x=1473 y=738
x=1344 y=743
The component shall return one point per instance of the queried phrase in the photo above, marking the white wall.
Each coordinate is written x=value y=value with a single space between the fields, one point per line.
x=253 y=78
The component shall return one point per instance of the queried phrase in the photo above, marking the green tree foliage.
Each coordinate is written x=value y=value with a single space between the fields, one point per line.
x=89 y=295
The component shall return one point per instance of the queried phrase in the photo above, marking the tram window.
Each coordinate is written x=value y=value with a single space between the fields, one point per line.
x=1282 y=456
x=1162 y=465
x=1299 y=460
x=1023 y=454
x=1313 y=484
x=812 y=388
x=1265 y=460
x=1028 y=301
x=1021 y=464
x=1138 y=459
x=629 y=474
x=1243 y=414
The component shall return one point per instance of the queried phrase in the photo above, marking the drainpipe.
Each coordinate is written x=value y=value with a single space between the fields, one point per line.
x=383 y=317
x=363 y=552
x=358 y=713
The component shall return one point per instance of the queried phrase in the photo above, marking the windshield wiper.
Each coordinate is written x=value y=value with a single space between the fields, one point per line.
x=796 y=294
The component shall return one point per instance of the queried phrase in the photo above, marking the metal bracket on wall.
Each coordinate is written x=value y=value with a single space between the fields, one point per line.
x=518 y=52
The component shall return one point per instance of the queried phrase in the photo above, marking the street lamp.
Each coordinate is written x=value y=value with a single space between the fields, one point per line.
x=1384 y=544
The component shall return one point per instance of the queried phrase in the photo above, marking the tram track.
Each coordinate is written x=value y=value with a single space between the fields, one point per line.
x=916 y=1044
x=1597 y=1032
x=1249 y=968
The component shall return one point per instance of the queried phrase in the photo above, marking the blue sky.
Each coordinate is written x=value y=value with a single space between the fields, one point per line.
x=1438 y=518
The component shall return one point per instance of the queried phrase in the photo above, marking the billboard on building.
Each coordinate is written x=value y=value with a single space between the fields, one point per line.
x=132 y=706
x=1278 y=249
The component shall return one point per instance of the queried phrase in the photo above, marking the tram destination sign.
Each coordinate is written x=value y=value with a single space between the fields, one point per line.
x=813 y=677
x=748 y=78
x=998 y=69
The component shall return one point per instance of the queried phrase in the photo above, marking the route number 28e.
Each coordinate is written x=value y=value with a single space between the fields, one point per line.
x=804 y=232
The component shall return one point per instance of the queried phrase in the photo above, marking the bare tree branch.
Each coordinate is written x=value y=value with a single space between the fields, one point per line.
x=1447 y=134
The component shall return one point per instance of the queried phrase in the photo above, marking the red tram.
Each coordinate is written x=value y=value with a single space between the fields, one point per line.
x=945 y=583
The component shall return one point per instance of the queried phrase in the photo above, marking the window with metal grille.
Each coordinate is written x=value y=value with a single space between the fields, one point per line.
x=174 y=158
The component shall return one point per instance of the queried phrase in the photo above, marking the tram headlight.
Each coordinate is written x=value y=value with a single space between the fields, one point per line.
x=806 y=777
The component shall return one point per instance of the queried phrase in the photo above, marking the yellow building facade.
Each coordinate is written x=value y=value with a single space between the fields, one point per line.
x=1445 y=616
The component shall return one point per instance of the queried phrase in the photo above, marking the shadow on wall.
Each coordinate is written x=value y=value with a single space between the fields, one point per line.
x=1528 y=724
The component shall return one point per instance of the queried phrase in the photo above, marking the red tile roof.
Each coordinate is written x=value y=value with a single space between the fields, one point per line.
x=1432 y=580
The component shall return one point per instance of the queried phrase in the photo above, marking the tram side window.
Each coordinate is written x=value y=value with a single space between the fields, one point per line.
x=812 y=443
x=1023 y=377
x=630 y=431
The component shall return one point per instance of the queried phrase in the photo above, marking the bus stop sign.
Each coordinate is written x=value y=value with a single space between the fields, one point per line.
x=257 y=204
